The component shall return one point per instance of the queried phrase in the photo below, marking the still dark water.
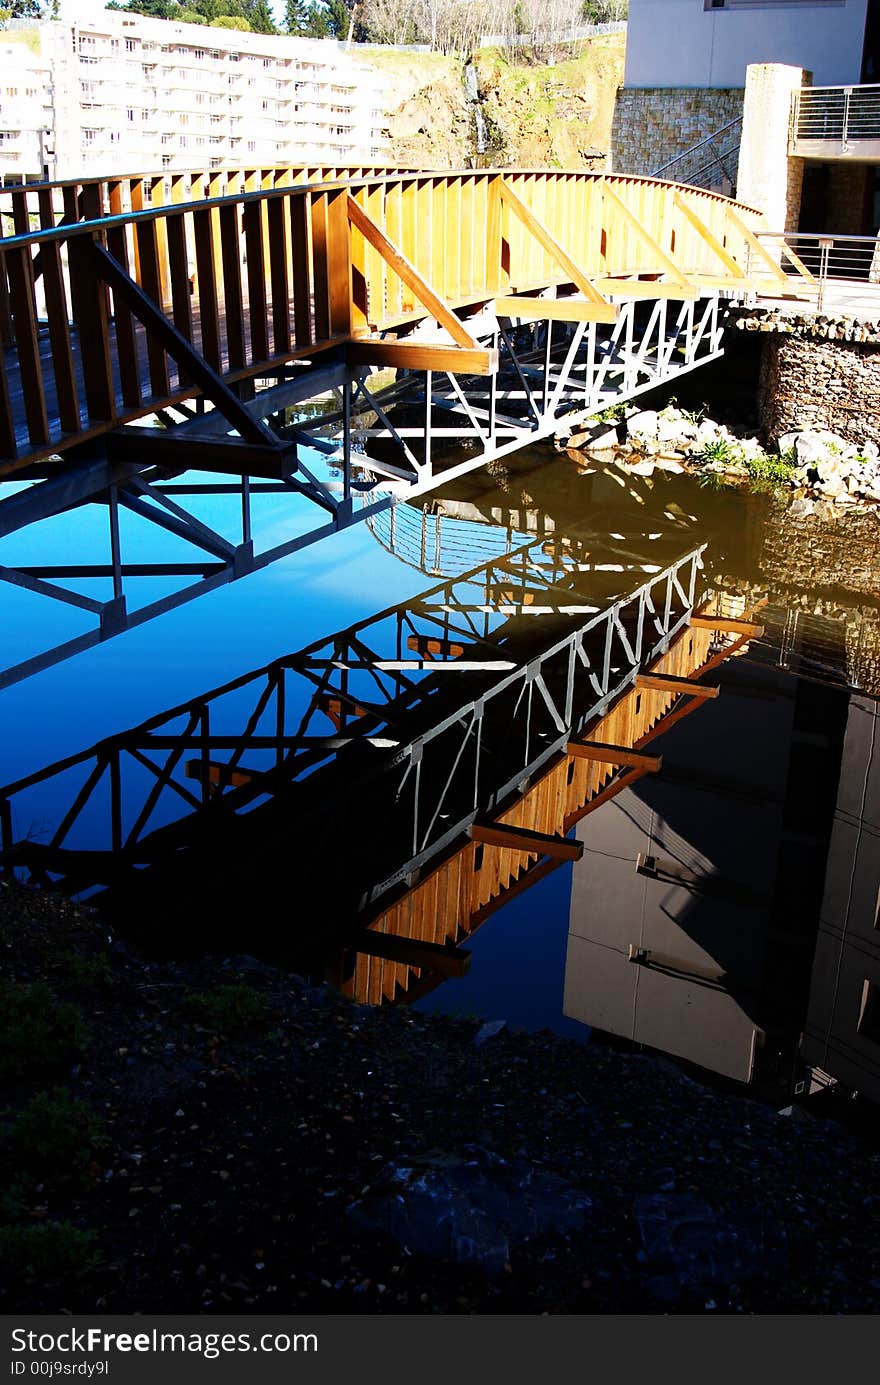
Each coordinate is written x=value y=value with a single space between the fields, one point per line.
x=746 y=876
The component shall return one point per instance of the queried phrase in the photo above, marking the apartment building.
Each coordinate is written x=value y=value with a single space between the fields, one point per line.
x=115 y=92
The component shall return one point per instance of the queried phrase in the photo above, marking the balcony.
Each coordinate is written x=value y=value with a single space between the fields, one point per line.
x=836 y=123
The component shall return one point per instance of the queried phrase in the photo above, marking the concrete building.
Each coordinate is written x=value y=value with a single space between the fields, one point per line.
x=710 y=43
x=104 y=91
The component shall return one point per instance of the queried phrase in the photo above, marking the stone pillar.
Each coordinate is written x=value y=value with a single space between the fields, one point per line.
x=768 y=179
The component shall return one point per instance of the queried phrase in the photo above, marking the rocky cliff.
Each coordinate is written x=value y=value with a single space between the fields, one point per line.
x=554 y=114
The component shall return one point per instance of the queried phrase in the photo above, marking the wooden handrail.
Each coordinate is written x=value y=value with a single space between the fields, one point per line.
x=261 y=276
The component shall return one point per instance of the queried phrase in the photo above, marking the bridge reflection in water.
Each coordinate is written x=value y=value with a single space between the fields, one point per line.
x=444 y=747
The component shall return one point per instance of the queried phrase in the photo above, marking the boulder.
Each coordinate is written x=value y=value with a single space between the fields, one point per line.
x=643 y=425
x=470 y=1206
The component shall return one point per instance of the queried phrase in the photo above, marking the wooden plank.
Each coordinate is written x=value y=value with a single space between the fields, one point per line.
x=647 y=288
x=614 y=755
x=427 y=644
x=90 y=315
x=258 y=319
x=151 y=283
x=410 y=276
x=180 y=350
x=301 y=267
x=319 y=266
x=278 y=223
x=703 y=231
x=662 y=260
x=27 y=339
x=181 y=286
x=8 y=445
x=556 y=309
x=126 y=341
x=233 y=305
x=667 y=682
x=526 y=840
x=731 y=623
x=543 y=237
x=339 y=263
x=447 y=961
x=776 y=271
x=59 y=337
x=208 y=292
x=422 y=356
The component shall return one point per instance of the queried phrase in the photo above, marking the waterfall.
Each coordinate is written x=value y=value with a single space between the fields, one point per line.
x=472 y=97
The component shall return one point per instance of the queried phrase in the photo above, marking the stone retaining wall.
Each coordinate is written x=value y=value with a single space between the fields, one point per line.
x=653 y=124
x=815 y=373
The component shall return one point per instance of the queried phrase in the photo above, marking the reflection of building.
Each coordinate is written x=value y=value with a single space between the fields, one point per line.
x=126 y=93
x=694 y=907
x=842 y=1033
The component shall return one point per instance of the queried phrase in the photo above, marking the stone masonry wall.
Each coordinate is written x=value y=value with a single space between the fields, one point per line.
x=653 y=124
x=820 y=385
x=833 y=556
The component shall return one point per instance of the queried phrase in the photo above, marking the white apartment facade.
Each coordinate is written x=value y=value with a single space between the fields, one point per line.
x=118 y=93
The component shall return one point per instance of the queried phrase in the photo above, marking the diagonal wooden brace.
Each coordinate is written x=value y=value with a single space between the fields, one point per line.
x=397 y=261
x=606 y=312
x=663 y=261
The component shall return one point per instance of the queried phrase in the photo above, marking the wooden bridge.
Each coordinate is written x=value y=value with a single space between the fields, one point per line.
x=215 y=306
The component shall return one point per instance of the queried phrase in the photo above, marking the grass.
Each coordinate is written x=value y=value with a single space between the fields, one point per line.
x=52 y=1139
x=228 y=1009
x=39 y=1034
x=48 y=1253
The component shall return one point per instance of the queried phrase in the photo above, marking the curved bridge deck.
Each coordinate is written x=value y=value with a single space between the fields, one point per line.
x=214 y=307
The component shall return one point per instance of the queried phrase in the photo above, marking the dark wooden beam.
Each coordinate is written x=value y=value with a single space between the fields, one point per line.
x=421 y=355
x=728 y=623
x=233 y=456
x=429 y=644
x=614 y=755
x=668 y=682
x=447 y=961
x=152 y=318
x=523 y=839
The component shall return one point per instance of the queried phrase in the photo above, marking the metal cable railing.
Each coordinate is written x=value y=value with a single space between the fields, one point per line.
x=835 y=116
x=846 y=268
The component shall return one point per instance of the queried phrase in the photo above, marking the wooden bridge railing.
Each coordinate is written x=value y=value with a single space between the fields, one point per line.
x=116 y=316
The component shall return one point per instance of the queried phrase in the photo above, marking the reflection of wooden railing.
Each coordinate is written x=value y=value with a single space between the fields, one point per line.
x=456 y=897
x=149 y=307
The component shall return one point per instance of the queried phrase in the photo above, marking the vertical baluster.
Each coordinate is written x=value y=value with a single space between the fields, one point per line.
x=59 y=336
x=301 y=267
x=24 y=316
x=319 y=261
x=339 y=263
x=147 y=240
x=256 y=280
x=230 y=242
x=8 y=444
x=91 y=318
x=279 y=259
x=181 y=288
x=208 y=304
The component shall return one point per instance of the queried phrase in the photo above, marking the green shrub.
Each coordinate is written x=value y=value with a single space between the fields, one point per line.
x=38 y=1032
x=228 y=1009
x=721 y=450
x=52 y=1139
x=770 y=471
x=47 y=1253
x=90 y=972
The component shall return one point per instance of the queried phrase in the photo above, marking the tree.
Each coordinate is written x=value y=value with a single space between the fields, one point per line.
x=259 y=16
x=230 y=21
x=30 y=9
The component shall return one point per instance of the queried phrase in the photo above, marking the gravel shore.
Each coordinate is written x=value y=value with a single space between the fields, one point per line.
x=280 y=1149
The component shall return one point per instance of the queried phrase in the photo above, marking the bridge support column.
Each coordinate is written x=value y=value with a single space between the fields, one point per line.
x=768 y=178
